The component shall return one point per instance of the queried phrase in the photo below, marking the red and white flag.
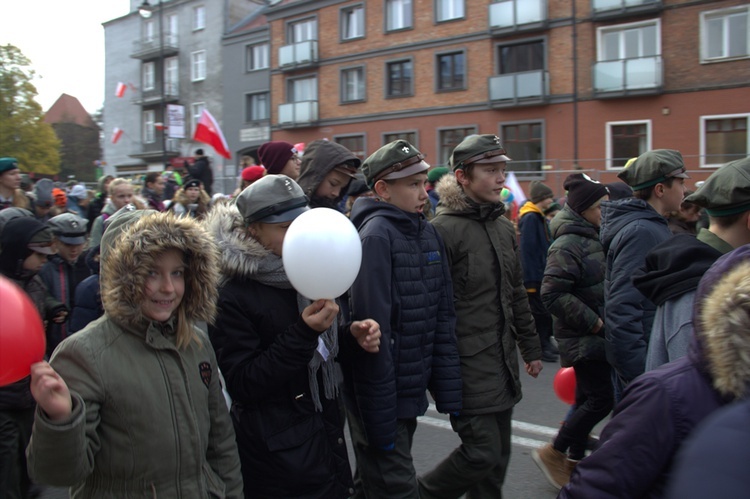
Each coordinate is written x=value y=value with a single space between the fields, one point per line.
x=116 y=134
x=209 y=132
x=120 y=89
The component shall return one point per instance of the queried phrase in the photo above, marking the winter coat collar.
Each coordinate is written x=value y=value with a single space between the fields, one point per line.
x=529 y=207
x=617 y=214
x=453 y=201
x=568 y=221
x=365 y=209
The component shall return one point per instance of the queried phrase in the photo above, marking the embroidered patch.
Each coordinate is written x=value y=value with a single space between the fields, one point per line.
x=433 y=257
x=205 y=369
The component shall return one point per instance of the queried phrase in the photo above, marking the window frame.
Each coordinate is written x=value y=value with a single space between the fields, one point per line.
x=250 y=59
x=195 y=66
x=344 y=12
x=702 y=121
x=148 y=69
x=248 y=108
x=437 y=7
x=438 y=76
x=196 y=109
x=291 y=82
x=525 y=174
x=704 y=39
x=149 y=126
x=387 y=5
x=444 y=161
x=362 y=155
x=342 y=84
x=290 y=30
x=401 y=134
x=169 y=71
x=622 y=28
x=199 y=17
x=609 y=142
x=387 y=77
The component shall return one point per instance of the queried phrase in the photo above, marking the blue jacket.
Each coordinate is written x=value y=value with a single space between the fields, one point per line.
x=534 y=242
x=404 y=284
x=630 y=228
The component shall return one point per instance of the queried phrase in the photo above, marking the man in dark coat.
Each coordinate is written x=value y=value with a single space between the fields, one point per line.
x=201 y=169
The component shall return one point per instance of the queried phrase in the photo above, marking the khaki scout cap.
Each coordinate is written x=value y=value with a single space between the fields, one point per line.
x=397 y=159
x=727 y=190
x=653 y=167
x=272 y=199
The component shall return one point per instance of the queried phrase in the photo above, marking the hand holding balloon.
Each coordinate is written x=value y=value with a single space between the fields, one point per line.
x=367 y=334
x=50 y=392
x=319 y=315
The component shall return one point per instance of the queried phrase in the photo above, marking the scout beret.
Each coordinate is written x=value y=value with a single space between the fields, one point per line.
x=653 y=167
x=726 y=191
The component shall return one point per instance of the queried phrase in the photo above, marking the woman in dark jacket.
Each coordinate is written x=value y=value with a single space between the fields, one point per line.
x=276 y=351
x=573 y=291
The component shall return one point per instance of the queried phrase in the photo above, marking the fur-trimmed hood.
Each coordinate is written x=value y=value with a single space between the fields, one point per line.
x=453 y=200
x=722 y=322
x=240 y=253
x=126 y=267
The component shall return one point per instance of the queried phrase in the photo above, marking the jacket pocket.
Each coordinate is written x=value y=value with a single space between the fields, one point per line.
x=214 y=484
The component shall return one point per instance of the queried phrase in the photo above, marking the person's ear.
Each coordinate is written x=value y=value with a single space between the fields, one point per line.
x=381 y=189
x=461 y=177
x=659 y=190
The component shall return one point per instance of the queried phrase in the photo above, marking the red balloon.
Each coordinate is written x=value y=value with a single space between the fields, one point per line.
x=300 y=146
x=565 y=385
x=22 y=340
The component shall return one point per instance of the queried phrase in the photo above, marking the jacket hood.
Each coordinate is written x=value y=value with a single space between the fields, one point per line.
x=529 y=207
x=569 y=222
x=722 y=322
x=453 y=201
x=674 y=267
x=14 y=242
x=365 y=209
x=616 y=214
x=322 y=156
x=240 y=253
x=125 y=270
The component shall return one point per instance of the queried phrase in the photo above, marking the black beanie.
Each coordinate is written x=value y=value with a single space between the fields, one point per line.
x=583 y=191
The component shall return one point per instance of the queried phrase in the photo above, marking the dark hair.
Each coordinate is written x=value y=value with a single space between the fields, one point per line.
x=151 y=177
x=646 y=193
x=199 y=152
x=727 y=221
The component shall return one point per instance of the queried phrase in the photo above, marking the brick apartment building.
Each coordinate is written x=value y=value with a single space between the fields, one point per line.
x=565 y=84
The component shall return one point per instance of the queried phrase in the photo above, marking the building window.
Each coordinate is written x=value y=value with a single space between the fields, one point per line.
x=352 y=22
x=199 y=18
x=198 y=65
x=448 y=10
x=631 y=41
x=451 y=71
x=398 y=14
x=257 y=107
x=399 y=74
x=410 y=137
x=196 y=110
x=149 y=76
x=353 y=84
x=449 y=139
x=625 y=140
x=302 y=31
x=149 y=120
x=302 y=89
x=724 y=34
x=172 y=76
x=523 y=143
x=724 y=138
x=257 y=57
x=521 y=57
x=149 y=32
x=355 y=143
x=173 y=23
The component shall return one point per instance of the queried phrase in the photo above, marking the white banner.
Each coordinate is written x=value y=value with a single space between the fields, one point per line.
x=175 y=121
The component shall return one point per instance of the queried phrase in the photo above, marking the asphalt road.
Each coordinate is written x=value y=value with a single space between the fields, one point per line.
x=535 y=422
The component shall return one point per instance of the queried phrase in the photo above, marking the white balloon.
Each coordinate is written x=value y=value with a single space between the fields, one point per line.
x=322 y=253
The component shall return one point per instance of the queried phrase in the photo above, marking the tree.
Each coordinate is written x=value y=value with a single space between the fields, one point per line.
x=23 y=133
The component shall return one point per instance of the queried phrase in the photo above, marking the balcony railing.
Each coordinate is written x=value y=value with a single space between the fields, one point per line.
x=149 y=48
x=603 y=9
x=627 y=75
x=514 y=87
x=298 y=54
x=153 y=95
x=301 y=112
x=515 y=14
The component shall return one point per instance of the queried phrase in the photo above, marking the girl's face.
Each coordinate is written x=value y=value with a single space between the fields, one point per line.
x=165 y=286
x=34 y=262
x=122 y=195
x=271 y=236
x=193 y=193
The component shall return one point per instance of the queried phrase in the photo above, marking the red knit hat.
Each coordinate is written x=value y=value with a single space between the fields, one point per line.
x=275 y=154
x=253 y=173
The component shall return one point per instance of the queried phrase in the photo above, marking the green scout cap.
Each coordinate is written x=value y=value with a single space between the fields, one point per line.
x=436 y=174
x=477 y=149
x=653 y=167
x=727 y=191
x=7 y=164
x=272 y=199
x=397 y=159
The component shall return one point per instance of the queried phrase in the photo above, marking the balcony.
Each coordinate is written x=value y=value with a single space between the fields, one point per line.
x=148 y=48
x=152 y=151
x=301 y=113
x=641 y=76
x=519 y=89
x=297 y=55
x=513 y=16
x=153 y=95
x=602 y=10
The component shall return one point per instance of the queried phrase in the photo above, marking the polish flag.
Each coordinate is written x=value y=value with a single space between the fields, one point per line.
x=120 y=89
x=208 y=132
x=116 y=134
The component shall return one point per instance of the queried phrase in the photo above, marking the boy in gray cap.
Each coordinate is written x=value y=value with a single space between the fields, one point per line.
x=493 y=319
x=630 y=228
x=404 y=284
x=66 y=270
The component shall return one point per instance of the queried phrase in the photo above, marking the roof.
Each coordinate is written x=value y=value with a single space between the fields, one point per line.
x=68 y=109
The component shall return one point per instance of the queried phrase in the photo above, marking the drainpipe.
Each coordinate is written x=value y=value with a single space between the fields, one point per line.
x=575 y=87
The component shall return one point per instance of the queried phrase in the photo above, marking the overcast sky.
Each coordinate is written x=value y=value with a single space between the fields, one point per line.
x=64 y=40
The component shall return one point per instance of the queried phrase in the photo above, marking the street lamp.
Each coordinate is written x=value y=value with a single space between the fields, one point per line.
x=146 y=10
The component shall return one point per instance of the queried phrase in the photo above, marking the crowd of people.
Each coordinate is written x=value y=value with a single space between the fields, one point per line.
x=181 y=361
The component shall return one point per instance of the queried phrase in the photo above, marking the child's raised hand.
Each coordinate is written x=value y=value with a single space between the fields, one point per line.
x=367 y=333
x=320 y=314
x=50 y=392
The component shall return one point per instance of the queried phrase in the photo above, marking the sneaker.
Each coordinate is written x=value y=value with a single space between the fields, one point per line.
x=554 y=464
